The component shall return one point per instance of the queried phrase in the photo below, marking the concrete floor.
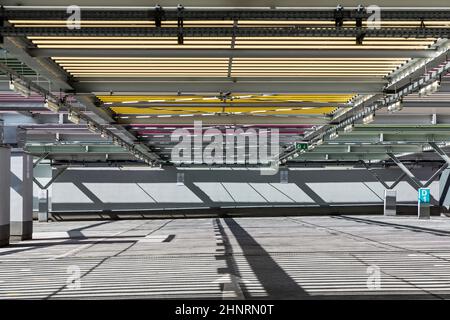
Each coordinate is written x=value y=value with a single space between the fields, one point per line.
x=251 y=258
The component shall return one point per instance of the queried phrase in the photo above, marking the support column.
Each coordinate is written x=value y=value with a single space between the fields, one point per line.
x=390 y=202
x=21 y=204
x=43 y=190
x=423 y=204
x=5 y=155
x=43 y=199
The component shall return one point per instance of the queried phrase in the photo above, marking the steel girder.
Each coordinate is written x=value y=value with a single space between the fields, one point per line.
x=236 y=53
x=226 y=32
x=224 y=14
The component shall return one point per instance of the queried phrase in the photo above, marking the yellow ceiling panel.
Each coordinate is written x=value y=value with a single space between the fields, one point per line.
x=202 y=110
x=320 y=98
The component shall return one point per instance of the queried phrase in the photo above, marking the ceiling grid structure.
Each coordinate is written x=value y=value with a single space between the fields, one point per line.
x=293 y=69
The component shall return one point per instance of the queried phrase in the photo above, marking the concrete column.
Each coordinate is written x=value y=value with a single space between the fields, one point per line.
x=43 y=206
x=423 y=211
x=5 y=155
x=43 y=174
x=423 y=203
x=21 y=204
x=390 y=202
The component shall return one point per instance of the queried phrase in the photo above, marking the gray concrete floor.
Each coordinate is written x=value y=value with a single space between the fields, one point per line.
x=251 y=258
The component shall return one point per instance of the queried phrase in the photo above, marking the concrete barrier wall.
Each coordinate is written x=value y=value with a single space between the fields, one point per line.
x=94 y=189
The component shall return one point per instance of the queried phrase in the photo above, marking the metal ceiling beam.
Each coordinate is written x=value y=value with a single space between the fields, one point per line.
x=262 y=79
x=235 y=53
x=340 y=157
x=209 y=13
x=367 y=149
x=106 y=115
x=440 y=152
x=376 y=176
x=405 y=170
x=71 y=149
x=393 y=138
x=161 y=87
x=233 y=104
x=137 y=150
x=224 y=120
x=46 y=68
x=226 y=32
x=401 y=129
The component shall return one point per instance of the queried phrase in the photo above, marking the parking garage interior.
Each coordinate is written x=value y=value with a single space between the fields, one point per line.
x=224 y=150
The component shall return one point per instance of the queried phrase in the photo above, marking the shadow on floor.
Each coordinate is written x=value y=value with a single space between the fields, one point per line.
x=395 y=225
x=275 y=281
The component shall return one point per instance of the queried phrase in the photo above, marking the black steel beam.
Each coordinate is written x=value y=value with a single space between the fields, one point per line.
x=225 y=32
x=226 y=14
x=252 y=87
x=235 y=53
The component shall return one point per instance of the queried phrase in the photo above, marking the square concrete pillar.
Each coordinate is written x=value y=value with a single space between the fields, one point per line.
x=423 y=211
x=423 y=203
x=21 y=204
x=390 y=202
x=43 y=174
x=5 y=155
x=43 y=199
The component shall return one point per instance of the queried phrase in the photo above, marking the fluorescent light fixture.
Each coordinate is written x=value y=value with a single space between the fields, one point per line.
x=53 y=106
x=73 y=117
x=285 y=109
x=19 y=88
x=349 y=128
x=429 y=89
x=92 y=127
x=117 y=142
x=334 y=135
x=397 y=106
x=369 y=118
x=130 y=101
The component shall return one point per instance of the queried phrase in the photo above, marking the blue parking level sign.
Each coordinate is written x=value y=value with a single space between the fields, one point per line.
x=424 y=195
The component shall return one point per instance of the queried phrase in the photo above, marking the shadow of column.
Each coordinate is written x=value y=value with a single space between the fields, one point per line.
x=275 y=281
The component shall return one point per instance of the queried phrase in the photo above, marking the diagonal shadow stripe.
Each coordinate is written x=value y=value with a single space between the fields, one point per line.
x=276 y=282
x=310 y=193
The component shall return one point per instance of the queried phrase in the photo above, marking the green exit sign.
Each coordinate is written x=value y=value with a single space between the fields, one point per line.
x=301 y=145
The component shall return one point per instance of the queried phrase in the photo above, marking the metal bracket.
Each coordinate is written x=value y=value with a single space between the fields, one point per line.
x=40 y=159
x=360 y=14
x=180 y=35
x=394 y=184
x=58 y=173
x=158 y=16
x=411 y=175
x=440 y=152
x=339 y=16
